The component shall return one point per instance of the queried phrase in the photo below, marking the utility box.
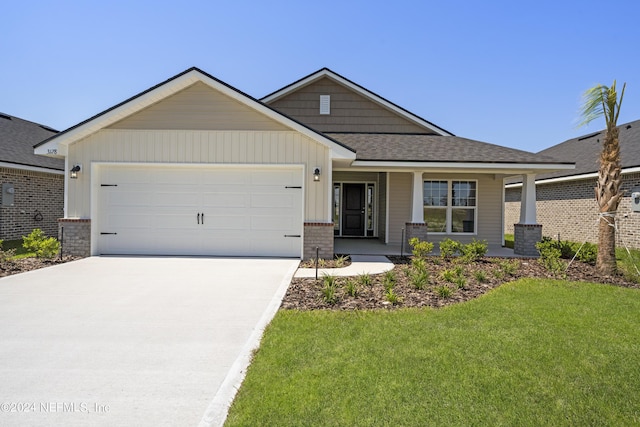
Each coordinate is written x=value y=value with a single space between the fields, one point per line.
x=635 y=200
x=7 y=194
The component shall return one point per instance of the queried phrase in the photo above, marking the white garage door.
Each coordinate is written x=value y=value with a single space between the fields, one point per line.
x=199 y=211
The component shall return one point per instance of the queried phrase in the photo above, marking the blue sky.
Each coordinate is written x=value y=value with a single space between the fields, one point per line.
x=506 y=72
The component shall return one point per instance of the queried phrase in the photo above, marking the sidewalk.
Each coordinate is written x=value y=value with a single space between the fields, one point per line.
x=360 y=264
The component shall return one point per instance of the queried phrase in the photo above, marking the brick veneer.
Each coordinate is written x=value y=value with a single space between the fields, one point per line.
x=38 y=203
x=318 y=234
x=525 y=238
x=412 y=230
x=569 y=209
x=77 y=236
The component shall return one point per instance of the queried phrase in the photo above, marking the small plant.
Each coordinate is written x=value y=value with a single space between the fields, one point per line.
x=419 y=264
x=497 y=273
x=329 y=289
x=6 y=257
x=389 y=279
x=473 y=251
x=588 y=253
x=421 y=248
x=443 y=291
x=509 y=268
x=43 y=246
x=550 y=255
x=341 y=260
x=460 y=282
x=480 y=276
x=392 y=297
x=351 y=287
x=322 y=263
x=449 y=248
x=449 y=275
x=364 y=279
x=419 y=279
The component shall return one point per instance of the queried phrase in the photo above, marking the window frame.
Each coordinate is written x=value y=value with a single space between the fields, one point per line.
x=449 y=207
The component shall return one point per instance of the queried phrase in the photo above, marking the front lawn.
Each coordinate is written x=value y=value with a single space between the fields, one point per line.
x=532 y=352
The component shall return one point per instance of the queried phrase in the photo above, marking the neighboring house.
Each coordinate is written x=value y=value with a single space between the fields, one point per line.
x=566 y=201
x=32 y=186
x=193 y=166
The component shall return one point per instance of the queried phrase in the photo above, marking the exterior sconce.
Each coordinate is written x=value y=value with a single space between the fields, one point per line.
x=73 y=173
x=316 y=174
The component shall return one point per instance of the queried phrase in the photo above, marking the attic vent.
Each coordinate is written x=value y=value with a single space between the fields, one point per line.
x=589 y=136
x=325 y=104
x=2 y=116
x=628 y=126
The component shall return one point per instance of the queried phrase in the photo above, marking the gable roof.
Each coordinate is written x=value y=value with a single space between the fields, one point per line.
x=442 y=151
x=585 y=151
x=168 y=88
x=327 y=73
x=17 y=138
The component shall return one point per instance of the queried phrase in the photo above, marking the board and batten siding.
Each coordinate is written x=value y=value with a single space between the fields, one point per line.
x=350 y=111
x=198 y=147
x=489 y=207
x=199 y=107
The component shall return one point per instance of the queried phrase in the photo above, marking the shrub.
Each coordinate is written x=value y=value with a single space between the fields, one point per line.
x=329 y=289
x=473 y=251
x=421 y=248
x=43 y=246
x=364 y=279
x=588 y=253
x=351 y=288
x=389 y=280
x=443 y=291
x=341 y=260
x=449 y=248
x=6 y=256
x=480 y=276
x=392 y=297
x=419 y=264
x=550 y=255
x=509 y=267
x=419 y=279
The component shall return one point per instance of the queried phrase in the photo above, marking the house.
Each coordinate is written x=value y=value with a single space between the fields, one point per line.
x=566 y=202
x=32 y=185
x=193 y=166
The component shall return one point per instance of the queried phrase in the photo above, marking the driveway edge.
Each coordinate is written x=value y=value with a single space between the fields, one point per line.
x=218 y=409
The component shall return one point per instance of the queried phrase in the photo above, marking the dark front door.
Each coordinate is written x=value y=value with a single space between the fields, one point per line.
x=353 y=210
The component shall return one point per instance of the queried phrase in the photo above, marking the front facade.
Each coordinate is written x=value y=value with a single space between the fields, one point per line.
x=566 y=203
x=32 y=187
x=196 y=167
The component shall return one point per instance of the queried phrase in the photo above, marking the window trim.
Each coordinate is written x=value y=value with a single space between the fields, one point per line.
x=449 y=207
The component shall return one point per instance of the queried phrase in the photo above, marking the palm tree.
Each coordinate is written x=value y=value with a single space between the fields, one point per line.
x=599 y=101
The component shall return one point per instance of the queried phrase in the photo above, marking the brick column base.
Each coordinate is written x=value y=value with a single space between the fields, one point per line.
x=525 y=238
x=77 y=236
x=414 y=229
x=318 y=234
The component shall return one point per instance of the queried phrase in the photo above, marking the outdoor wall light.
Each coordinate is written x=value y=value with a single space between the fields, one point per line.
x=316 y=174
x=73 y=173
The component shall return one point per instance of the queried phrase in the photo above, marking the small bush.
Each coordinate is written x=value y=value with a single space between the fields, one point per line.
x=419 y=264
x=443 y=291
x=389 y=280
x=480 y=276
x=364 y=279
x=473 y=251
x=341 y=260
x=421 y=248
x=392 y=297
x=6 y=257
x=41 y=245
x=351 y=288
x=588 y=253
x=449 y=248
x=329 y=289
x=509 y=267
x=550 y=255
x=419 y=279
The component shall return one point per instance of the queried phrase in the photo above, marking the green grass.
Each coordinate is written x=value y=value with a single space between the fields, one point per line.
x=533 y=352
x=17 y=245
x=508 y=241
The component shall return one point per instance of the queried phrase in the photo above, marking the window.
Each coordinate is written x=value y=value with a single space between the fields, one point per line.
x=450 y=206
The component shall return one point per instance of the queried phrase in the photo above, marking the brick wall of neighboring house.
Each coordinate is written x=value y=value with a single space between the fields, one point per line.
x=38 y=203
x=569 y=209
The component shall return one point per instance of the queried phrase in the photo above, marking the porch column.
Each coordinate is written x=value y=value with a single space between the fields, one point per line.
x=527 y=232
x=417 y=227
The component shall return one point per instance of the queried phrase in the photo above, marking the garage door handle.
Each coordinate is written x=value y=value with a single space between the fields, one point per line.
x=203 y=218
x=292 y=235
x=198 y=218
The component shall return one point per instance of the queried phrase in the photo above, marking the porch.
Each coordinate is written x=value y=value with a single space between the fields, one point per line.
x=347 y=246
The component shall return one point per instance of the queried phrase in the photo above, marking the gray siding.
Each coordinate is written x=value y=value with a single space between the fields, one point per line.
x=350 y=111
x=399 y=204
x=198 y=107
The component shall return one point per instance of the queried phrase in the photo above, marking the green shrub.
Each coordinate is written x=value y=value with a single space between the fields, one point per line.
x=6 y=256
x=341 y=260
x=41 y=245
x=392 y=297
x=364 y=279
x=329 y=289
x=550 y=254
x=474 y=250
x=460 y=282
x=421 y=248
x=588 y=253
x=419 y=264
x=443 y=291
x=351 y=288
x=419 y=279
x=480 y=276
x=509 y=267
x=449 y=248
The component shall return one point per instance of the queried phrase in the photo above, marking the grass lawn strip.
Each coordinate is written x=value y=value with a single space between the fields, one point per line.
x=532 y=352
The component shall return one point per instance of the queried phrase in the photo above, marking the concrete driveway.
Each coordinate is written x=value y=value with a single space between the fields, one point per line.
x=132 y=341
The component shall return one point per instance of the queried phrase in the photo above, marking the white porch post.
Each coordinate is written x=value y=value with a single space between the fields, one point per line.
x=417 y=211
x=528 y=199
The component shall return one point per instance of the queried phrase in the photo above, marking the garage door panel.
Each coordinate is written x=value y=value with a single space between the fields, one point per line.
x=154 y=210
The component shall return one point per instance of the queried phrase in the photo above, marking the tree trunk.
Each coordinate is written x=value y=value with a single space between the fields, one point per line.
x=608 y=198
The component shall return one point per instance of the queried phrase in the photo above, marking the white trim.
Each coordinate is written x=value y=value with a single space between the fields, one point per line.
x=502 y=211
x=362 y=91
x=513 y=168
x=30 y=168
x=170 y=88
x=573 y=177
x=65 y=206
x=386 y=216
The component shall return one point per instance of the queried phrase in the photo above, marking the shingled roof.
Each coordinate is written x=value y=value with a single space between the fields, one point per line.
x=585 y=151
x=17 y=138
x=434 y=148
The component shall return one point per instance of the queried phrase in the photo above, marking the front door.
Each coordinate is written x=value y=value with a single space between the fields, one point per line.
x=353 y=210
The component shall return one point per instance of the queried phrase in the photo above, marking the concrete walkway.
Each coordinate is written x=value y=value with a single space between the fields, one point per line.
x=127 y=341
x=360 y=264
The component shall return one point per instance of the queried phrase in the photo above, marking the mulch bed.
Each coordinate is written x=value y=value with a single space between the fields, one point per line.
x=7 y=268
x=306 y=294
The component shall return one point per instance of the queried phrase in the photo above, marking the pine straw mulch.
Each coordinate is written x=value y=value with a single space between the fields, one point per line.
x=306 y=294
x=15 y=266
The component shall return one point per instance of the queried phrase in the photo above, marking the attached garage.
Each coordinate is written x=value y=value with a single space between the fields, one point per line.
x=248 y=210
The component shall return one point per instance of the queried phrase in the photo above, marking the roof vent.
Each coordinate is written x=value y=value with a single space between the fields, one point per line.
x=2 y=116
x=48 y=128
x=325 y=104
x=588 y=136
x=628 y=126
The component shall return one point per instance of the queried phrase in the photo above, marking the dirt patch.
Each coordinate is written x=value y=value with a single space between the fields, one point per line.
x=7 y=268
x=465 y=282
